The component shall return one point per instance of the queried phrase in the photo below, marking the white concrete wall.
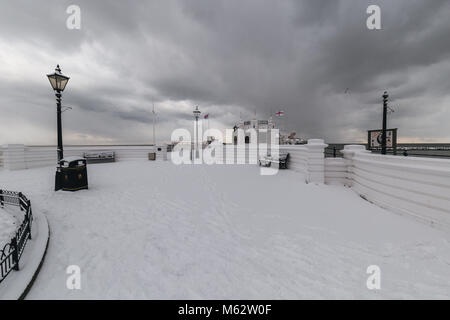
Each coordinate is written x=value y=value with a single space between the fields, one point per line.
x=336 y=171
x=16 y=157
x=298 y=155
x=316 y=160
x=13 y=156
x=419 y=187
x=308 y=159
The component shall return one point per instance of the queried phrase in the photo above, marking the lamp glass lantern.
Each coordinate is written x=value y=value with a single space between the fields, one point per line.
x=57 y=80
x=196 y=112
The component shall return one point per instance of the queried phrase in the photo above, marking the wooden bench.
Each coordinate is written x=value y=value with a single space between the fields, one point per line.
x=99 y=156
x=282 y=160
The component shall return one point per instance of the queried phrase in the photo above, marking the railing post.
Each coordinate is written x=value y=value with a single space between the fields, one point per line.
x=15 y=254
x=20 y=201
x=30 y=218
x=334 y=152
x=1 y=198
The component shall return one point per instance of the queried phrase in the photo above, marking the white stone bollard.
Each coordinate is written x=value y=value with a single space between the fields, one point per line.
x=316 y=161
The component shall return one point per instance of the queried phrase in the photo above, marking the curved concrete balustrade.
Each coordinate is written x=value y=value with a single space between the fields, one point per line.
x=419 y=187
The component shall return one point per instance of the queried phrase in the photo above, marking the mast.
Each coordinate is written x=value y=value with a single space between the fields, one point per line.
x=154 y=114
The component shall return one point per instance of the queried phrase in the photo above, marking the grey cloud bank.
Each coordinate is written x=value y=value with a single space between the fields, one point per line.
x=228 y=57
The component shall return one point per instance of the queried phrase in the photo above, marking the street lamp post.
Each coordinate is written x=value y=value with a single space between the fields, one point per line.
x=58 y=82
x=196 y=115
x=383 y=133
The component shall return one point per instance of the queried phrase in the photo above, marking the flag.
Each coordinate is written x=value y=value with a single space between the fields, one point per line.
x=280 y=113
x=206 y=116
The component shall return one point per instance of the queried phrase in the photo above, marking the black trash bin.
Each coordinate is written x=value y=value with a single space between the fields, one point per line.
x=73 y=174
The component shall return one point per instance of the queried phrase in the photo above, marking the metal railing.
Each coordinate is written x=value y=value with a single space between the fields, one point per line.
x=334 y=151
x=413 y=152
x=11 y=252
x=426 y=151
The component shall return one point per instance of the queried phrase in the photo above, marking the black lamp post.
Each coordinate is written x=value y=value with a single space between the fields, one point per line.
x=196 y=113
x=383 y=133
x=58 y=82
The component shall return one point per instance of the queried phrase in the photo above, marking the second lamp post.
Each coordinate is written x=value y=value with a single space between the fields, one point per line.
x=196 y=116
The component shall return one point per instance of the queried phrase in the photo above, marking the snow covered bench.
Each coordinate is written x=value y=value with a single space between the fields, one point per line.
x=99 y=156
x=282 y=159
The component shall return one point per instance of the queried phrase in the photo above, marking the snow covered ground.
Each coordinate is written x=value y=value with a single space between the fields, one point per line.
x=9 y=222
x=156 y=230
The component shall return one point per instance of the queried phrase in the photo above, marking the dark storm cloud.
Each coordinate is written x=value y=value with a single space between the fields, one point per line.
x=229 y=57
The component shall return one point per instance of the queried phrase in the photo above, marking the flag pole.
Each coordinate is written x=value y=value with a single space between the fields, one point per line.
x=154 y=137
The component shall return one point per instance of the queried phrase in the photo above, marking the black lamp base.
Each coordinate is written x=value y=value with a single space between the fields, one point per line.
x=58 y=180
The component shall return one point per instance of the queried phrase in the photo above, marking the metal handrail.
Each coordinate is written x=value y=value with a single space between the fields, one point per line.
x=11 y=252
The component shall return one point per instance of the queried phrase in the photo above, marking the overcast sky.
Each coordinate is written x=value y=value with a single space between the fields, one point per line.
x=315 y=60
